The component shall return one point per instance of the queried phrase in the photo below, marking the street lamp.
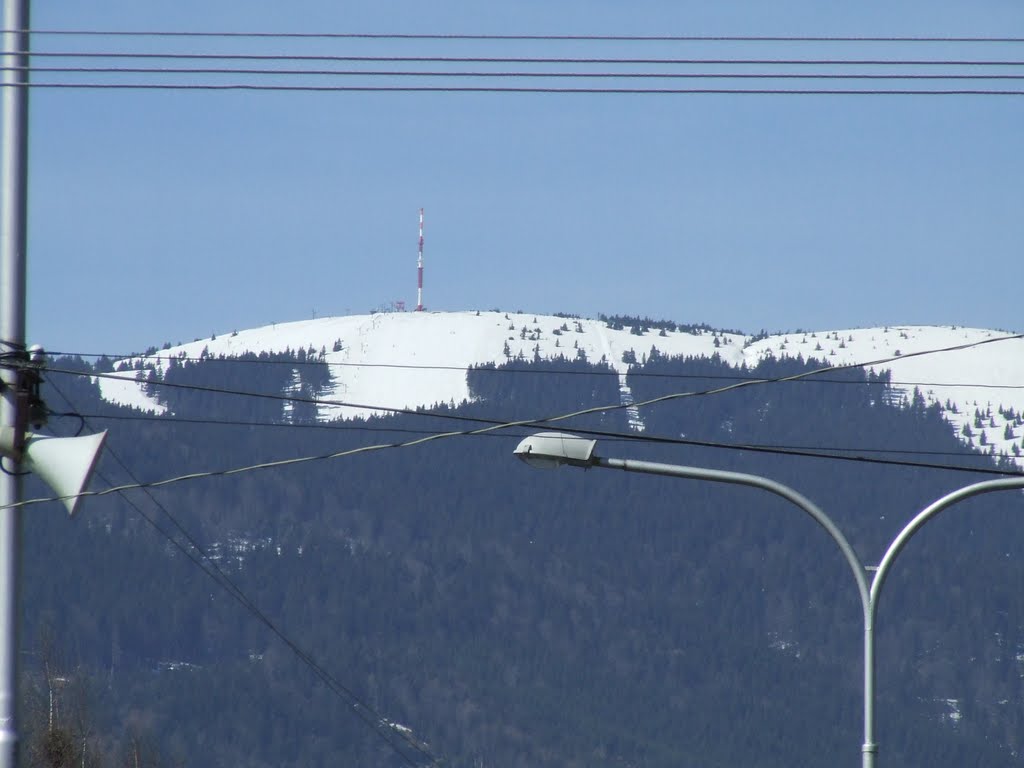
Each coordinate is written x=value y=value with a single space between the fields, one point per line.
x=554 y=449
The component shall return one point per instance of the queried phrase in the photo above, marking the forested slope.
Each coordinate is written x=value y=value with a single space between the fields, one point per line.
x=521 y=618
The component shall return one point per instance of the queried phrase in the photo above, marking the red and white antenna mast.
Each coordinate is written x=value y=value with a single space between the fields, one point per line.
x=419 y=269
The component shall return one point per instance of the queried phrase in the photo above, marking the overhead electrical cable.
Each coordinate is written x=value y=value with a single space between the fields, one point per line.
x=204 y=561
x=613 y=60
x=507 y=425
x=522 y=90
x=823 y=453
x=475 y=37
x=797 y=376
x=662 y=398
x=522 y=74
x=295 y=461
x=213 y=570
x=813 y=451
x=256 y=78
x=477 y=368
x=234 y=392
x=361 y=406
x=600 y=409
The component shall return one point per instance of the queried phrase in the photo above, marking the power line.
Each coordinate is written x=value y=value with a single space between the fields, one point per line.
x=805 y=374
x=235 y=392
x=813 y=451
x=662 y=61
x=469 y=433
x=530 y=423
x=474 y=37
x=476 y=368
x=821 y=454
x=521 y=74
x=498 y=424
x=662 y=398
x=345 y=404
x=210 y=567
x=521 y=90
x=950 y=77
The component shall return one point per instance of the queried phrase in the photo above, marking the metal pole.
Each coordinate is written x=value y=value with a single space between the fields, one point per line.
x=13 y=240
x=869 y=749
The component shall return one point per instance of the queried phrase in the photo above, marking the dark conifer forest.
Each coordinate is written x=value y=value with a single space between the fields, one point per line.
x=443 y=603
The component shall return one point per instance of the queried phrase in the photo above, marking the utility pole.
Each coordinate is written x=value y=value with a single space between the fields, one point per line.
x=13 y=241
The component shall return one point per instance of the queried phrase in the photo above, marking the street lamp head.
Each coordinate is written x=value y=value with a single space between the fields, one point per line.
x=548 y=450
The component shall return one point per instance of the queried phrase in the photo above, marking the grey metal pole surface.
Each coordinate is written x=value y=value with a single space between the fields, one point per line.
x=13 y=242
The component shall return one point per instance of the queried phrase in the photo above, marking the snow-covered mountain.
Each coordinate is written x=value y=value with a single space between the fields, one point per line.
x=409 y=359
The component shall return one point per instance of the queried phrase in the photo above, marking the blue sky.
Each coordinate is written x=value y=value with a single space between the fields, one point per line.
x=169 y=215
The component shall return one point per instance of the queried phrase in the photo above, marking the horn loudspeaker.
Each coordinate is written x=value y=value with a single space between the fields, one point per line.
x=64 y=463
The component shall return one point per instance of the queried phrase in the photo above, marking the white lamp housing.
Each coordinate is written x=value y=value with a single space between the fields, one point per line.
x=548 y=450
x=64 y=463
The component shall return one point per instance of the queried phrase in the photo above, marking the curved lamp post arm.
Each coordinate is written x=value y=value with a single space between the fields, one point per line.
x=753 y=481
x=987 y=486
x=922 y=517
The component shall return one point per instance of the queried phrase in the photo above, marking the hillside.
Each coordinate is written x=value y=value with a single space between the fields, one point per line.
x=419 y=359
x=500 y=615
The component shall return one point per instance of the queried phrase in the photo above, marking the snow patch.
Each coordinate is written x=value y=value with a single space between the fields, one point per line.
x=125 y=390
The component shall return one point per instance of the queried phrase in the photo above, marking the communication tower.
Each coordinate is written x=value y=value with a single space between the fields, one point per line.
x=419 y=269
